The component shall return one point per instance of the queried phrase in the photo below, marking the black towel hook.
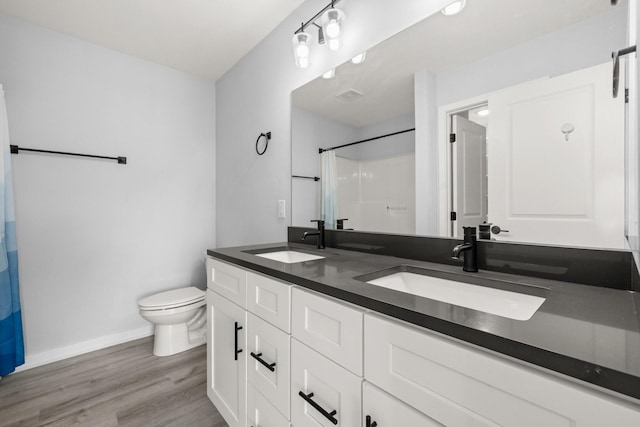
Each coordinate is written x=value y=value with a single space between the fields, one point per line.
x=267 y=137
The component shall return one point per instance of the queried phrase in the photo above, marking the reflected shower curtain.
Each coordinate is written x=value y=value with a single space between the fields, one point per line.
x=329 y=188
x=11 y=340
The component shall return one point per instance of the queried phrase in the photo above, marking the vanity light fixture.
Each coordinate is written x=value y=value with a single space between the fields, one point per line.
x=359 y=59
x=483 y=113
x=454 y=8
x=330 y=33
x=329 y=74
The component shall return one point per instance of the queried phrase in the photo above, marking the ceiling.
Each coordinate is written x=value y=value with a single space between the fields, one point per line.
x=201 y=37
x=437 y=43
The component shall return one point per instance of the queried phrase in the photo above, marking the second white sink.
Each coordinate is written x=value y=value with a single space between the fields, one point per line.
x=513 y=305
x=289 y=257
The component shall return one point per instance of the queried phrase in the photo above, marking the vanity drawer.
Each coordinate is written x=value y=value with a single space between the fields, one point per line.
x=270 y=300
x=260 y=413
x=332 y=329
x=386 y=410
x=458 y=385
x=228 y=281
x=267 y=343
x=326 y=384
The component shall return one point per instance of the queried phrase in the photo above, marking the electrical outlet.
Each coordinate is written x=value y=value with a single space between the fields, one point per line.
x=281 y=209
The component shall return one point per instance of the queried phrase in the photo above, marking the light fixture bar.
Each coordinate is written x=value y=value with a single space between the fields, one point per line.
x=315 y=17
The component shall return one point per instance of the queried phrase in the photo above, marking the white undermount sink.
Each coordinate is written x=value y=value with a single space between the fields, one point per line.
x=289 y=257
x=513 y=305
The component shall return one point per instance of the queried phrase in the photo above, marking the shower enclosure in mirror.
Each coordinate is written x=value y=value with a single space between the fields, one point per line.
x=543 y=162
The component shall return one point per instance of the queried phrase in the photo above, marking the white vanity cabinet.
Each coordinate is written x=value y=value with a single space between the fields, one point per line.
x=323 y=393
x=279 y=355
x=261 y=413
x=458 y=385
x=248 y=350
x=226 y=358
x=270 y=300
x=226 y=341
x=326 y=361
x=380 y=409
x=268 y=365
x=331 y=328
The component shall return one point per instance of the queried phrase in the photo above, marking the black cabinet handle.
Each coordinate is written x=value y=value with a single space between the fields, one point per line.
x=237 y=350
x=269 y=366
x=370 y=423
x=328 y=415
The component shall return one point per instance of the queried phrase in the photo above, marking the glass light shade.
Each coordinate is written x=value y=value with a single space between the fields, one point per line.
x=332 y=21
x=359 y=59
x=454 y=8
x=302 y=48
x=334 y=44
x=329 y=74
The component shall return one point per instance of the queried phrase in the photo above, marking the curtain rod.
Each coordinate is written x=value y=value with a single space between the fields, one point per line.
x=320 y=150
x=15 y=149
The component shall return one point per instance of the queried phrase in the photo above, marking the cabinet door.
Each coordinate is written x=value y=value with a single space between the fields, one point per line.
x=260 y=413
x=226 y=358
x=332 y=329
x=270 y=300
x=268 y=345
x=228 y=281
x=383 y=410
x=323 y=393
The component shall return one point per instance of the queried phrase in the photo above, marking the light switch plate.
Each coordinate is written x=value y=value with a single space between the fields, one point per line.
x=281 y=208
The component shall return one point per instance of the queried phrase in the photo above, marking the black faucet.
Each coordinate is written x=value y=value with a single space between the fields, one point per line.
x=471 y=247
x=319 y=233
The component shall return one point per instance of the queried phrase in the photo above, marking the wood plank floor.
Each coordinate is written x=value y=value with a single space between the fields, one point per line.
x=124 y=385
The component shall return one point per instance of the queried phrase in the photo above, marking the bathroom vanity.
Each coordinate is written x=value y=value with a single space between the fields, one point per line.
x=307 y=337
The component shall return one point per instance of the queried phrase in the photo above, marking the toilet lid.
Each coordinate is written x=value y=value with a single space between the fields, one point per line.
x=172 y=299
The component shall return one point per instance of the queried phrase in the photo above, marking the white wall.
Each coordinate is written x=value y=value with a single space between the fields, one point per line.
x=95 y=236
x=254 y=96
x=378 y=194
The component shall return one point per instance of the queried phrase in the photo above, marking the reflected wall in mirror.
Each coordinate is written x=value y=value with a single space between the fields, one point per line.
x=539 y=67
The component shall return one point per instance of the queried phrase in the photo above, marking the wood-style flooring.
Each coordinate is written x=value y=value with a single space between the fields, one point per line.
x=124 y=385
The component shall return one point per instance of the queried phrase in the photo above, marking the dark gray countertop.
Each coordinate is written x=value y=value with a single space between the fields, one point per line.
x=588 y=333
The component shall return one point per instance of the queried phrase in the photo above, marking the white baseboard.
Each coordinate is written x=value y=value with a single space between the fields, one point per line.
x=45 y=357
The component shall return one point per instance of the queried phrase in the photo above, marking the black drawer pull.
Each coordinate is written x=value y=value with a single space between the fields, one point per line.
x=369 y=423
x=328 y=415
x=237 y=350
x=269 y=366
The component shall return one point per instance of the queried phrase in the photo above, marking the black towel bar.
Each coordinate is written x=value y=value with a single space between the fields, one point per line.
x=15 y=149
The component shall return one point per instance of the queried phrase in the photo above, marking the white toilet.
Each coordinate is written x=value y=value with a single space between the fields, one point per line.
x=179 y=318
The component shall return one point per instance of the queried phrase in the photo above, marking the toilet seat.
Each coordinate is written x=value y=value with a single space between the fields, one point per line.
x=172 y=299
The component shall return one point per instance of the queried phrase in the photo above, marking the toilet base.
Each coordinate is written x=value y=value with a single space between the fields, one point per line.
x=173 y=339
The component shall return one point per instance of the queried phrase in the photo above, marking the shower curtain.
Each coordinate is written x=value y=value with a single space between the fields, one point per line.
x=329 y=188
x=11 y=339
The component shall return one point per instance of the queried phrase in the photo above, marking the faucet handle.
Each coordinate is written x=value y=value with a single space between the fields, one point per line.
x=340 y=223
x=469 y=231
x=320 y=223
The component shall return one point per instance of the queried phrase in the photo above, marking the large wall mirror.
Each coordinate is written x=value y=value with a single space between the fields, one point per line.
x=525 y=87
